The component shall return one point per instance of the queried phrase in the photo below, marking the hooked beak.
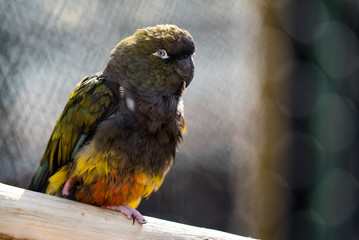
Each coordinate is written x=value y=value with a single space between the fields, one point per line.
x=187 y=69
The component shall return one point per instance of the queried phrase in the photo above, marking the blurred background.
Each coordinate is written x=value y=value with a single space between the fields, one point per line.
x=271 y=149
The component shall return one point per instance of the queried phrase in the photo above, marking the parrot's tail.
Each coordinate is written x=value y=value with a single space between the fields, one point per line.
x=39 y=181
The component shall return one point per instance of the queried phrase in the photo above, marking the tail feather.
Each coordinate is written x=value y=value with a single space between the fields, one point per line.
x=40 y=179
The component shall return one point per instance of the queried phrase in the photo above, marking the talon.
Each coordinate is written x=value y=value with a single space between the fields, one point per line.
x=143 y=221
x=133 y=219
x=65 y=196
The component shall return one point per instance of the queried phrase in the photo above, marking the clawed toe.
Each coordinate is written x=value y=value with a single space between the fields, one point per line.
x=67 y=187
x=130 y=213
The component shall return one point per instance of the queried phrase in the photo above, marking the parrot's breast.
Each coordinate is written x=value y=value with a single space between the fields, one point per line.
x=126 y=160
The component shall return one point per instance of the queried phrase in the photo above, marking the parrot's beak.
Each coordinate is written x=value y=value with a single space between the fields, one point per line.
x=187 y=69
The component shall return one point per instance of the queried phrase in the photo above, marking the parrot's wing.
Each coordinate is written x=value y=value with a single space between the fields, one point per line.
x=89 y=104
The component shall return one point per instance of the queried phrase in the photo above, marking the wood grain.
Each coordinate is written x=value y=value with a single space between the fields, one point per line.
x=26 y=214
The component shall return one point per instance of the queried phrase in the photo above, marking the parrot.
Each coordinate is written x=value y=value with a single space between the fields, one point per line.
x=118 y=134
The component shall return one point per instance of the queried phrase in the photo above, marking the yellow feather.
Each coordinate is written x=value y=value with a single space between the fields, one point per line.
x=94 y=108
x=85 y=103
x=70 y=114
x=59 y=152
x=134 y=204
x=184 y=129
x=147 y=190
x=57 y=180
x=52 y=153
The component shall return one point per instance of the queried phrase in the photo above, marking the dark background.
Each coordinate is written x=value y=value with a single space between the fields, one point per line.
x=321 y=103
x=271 y=149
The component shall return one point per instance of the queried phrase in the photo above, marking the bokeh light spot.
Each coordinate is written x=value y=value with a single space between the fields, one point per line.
x=337 y=49
x=336 y=197
x=305 y=27
x=300 y=85
x=301 y=156
x=336 y=122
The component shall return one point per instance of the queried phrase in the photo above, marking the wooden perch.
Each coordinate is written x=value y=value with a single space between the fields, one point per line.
x=26 y=214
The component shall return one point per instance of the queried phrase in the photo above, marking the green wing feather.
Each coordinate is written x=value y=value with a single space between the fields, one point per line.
x=88 y=104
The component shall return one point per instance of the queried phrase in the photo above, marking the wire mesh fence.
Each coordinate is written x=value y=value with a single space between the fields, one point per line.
x=48 y=47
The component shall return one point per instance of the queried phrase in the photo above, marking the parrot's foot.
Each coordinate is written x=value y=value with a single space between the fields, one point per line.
x=130 y=213
x=67 y=187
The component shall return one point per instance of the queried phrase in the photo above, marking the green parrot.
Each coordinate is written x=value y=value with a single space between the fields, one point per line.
x=117 y=136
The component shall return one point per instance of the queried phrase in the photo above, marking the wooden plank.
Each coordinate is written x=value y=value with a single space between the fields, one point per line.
x=30 y=215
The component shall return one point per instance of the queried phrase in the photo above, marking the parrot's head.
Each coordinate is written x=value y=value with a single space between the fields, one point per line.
x=154 y=61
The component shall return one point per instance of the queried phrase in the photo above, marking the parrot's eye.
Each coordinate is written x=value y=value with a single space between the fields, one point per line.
x=161 y=53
